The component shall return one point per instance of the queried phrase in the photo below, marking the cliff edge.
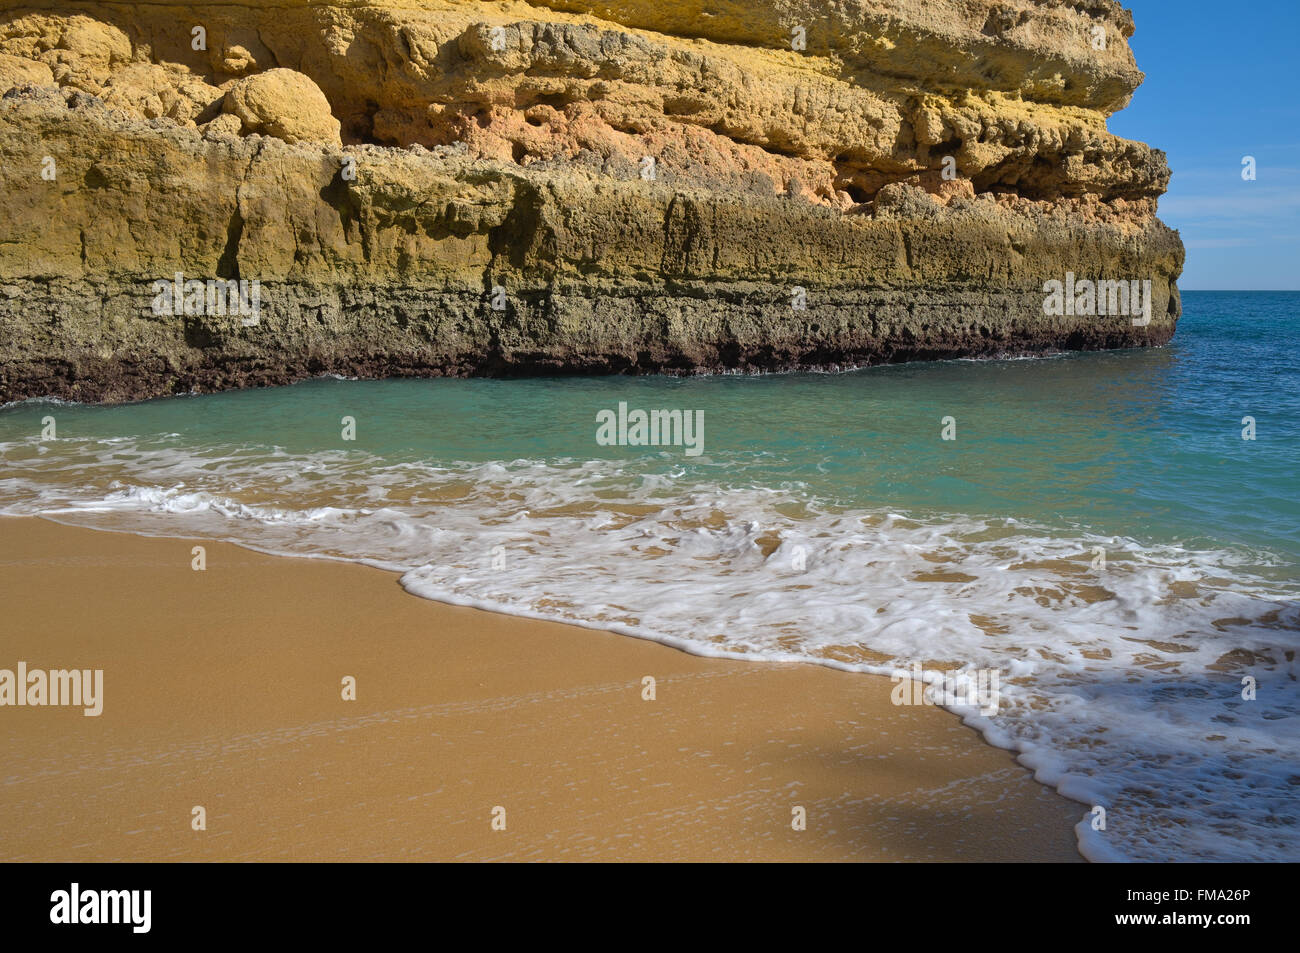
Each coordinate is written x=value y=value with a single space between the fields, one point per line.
x=218 y=195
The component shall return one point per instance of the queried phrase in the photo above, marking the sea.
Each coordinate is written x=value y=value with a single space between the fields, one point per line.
x=1115 y=534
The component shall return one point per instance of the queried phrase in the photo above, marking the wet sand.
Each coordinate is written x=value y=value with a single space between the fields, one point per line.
x=223 y=689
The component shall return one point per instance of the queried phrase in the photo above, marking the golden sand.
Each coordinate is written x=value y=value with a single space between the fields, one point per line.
x=223 y=689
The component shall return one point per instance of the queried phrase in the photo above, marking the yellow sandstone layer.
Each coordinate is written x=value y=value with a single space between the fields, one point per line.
x=447 y=187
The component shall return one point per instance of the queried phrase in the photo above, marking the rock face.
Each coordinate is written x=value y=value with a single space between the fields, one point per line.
x=284 y=104
x=451 y=187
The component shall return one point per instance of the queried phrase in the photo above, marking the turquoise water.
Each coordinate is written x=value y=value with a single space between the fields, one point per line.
x=1144 y=443
x=826 y=519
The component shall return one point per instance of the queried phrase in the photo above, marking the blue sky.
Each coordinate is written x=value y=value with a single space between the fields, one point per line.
x=1222 y=84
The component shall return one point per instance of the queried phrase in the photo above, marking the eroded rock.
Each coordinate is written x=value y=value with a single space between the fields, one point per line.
x=645 y=184
x=285 y=104
x=19 y=71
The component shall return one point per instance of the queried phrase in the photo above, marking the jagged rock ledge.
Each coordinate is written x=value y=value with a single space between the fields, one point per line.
x=445 y=188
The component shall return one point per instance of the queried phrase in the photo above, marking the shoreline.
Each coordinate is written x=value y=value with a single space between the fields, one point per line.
x=222 y=689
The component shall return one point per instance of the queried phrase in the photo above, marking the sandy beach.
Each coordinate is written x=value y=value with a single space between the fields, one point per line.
x=223 y=689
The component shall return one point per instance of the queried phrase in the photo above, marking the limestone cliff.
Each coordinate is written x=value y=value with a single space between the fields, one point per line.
x=457 y=187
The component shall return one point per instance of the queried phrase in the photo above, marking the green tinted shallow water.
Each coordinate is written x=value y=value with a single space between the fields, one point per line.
x=1144 y=443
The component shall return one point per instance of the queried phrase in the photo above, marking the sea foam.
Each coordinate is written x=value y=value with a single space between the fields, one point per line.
x=1121 y=687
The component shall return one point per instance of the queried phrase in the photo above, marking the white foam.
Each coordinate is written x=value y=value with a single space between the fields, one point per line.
x=36 y=401
x=1120 y=687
